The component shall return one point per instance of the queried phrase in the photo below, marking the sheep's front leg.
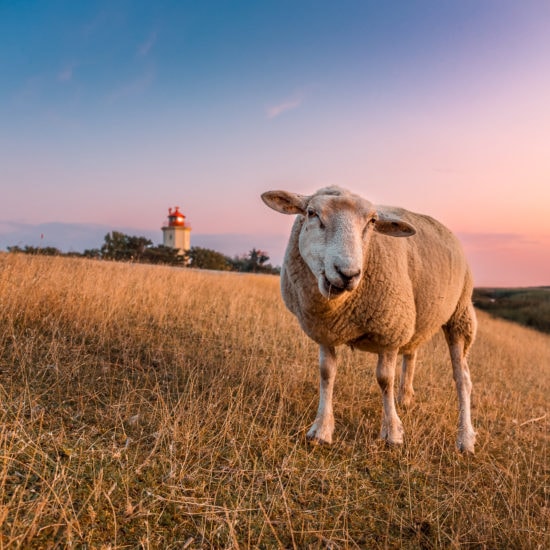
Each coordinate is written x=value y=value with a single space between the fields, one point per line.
x=406 y=390
x=321 y=431
x=392 y=429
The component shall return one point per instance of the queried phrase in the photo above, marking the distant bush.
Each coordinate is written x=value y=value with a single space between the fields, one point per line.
x=120 y=247
x=42 y=250
x=253 y=262
x=204 y=258
x=162 y=255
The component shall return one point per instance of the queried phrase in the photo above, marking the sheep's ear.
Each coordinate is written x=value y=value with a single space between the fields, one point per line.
x=393 y=227
x=285 y=202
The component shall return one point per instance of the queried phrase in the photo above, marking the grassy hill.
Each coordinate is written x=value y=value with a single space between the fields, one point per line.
x=526 y=306
x=152 y=407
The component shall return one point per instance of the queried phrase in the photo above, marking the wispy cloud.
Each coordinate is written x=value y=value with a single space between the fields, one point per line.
x=292 y=102
x=92 y=25
x=133 y=87
x=66 y=74
x=146 y=46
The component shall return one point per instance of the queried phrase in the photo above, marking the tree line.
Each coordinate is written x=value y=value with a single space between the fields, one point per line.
x=120 y=247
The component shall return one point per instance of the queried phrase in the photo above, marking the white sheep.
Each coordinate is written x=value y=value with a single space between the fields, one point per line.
x=348 y=281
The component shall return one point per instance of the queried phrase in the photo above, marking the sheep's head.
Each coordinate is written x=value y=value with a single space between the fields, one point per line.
x=336 y=227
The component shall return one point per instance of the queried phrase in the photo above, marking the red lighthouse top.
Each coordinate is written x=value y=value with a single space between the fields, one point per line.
x=175 y=217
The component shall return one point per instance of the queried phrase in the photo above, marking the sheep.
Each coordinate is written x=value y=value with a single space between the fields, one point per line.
x=382 y=280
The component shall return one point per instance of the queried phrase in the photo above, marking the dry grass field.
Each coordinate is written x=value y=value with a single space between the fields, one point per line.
x=155 y=407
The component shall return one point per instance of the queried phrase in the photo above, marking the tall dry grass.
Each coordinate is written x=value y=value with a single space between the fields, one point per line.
x=152 y=407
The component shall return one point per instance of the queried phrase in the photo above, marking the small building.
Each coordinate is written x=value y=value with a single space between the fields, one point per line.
x=176 y=233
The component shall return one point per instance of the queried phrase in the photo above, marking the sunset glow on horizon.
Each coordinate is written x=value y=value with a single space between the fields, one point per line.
x=112 y=112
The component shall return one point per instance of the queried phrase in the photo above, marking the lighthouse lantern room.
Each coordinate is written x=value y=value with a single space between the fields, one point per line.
x=176 y=233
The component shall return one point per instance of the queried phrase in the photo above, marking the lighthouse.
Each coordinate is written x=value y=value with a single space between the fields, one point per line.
x=176 y=234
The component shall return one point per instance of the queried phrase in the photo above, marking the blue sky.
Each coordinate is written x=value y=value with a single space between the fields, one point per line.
x=112 y=111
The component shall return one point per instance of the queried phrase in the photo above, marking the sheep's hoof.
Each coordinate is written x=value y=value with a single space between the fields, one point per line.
x=393 y=443
x=317 y=442
x=465 y=443
x=392 y=437
x=314 y=437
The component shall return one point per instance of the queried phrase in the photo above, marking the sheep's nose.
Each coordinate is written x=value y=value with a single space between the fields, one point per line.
x=349 y=276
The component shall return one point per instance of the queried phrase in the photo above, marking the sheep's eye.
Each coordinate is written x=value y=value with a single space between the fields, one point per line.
x=370 y=223
x=311 y=214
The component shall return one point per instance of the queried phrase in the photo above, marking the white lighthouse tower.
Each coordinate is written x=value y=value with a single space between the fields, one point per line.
x=176 y=234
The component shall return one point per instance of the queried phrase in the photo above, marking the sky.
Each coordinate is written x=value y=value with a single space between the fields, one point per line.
x=112 y=111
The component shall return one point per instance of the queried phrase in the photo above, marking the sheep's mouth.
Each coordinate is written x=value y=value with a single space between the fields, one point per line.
x=330 y=290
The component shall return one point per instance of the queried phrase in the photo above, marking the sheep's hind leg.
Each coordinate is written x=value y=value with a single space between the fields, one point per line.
x=406 y=391
x=392 y=429
x=321 y=431
x=466 y=435
x=460 y=333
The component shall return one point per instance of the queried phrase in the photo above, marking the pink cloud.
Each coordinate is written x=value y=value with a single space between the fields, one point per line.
x=289 y=104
